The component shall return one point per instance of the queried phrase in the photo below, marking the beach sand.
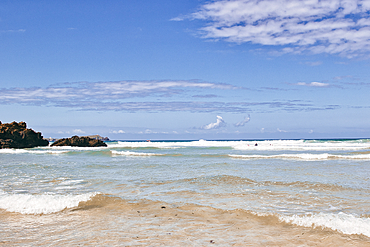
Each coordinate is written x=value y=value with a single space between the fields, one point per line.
x=110 y=221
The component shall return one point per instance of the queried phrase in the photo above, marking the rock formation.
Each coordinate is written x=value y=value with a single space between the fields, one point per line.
x=98 y=137
x=16 y=135
x=76 y=141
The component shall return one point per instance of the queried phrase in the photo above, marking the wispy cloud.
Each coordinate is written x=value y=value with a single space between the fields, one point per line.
x=218 y=124
x=85 y=91
x=75 y=131
x=279 y=130
x=149 y=131
x=317 y=63
x=144 y=96
x=205 y=96
x=118 y=132
x=338 y=78
x=313 y=84
x=13 y=31
x=78 y=131
x=242 y=123
x=326 y=26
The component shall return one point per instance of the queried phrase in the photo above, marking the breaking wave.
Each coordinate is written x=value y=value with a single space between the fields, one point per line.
x=344 y=223
x=33 y=151
x=304 y=156
x=269 y=145
x=41 y=204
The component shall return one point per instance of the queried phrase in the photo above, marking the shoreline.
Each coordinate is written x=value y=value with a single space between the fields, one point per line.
x=156 y=223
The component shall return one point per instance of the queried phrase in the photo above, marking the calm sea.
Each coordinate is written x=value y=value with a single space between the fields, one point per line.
x=192 y=193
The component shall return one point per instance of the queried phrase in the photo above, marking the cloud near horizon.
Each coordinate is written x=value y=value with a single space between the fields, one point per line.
x=313 y=84
x=104 y=91
x=296 y=26
x=242 y=123
x=218 y=124
x=118 y=132
x=145 y=96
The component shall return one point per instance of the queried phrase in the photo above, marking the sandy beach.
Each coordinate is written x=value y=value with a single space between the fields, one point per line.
x=108 y=221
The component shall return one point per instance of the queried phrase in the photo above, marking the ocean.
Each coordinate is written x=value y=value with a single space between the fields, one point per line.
x=188 y=193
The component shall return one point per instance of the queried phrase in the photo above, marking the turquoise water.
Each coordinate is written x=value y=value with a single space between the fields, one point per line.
x=324 y=183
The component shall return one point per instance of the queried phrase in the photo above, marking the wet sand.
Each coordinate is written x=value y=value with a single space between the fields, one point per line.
x=109 y=221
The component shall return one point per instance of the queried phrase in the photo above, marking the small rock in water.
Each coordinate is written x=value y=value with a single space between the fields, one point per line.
x=76 y=141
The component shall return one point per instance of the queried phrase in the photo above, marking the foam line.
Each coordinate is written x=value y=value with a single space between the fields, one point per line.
x=40 y=204
x=344 y=223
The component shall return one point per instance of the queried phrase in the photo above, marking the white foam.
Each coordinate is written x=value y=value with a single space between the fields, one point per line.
x=128 y=153
x=344 y=223
x=47 y=151
x=23 y=151
x=269 y=145
x=12 y=151
x=69 y=182
x=40 y=204
x=303 y=156
x=302 y=145
x=272 y=145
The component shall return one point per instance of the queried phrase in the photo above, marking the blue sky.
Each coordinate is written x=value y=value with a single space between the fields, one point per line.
x=144 y=69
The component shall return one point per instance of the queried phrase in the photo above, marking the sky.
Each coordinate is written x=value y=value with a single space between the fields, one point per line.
x=187 y=70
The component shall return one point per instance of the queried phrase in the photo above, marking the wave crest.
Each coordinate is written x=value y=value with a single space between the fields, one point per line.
x=304 y=156
x=41 y=204
x=344 y=223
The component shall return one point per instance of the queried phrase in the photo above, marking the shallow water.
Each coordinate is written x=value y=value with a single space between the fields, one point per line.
x=289 y=192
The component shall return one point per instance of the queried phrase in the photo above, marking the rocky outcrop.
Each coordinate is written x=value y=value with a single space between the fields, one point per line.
x=76 y=141
x=98 y=137
x=16 y=135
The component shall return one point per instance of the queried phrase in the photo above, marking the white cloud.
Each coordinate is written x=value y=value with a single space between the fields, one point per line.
x=61 y=132
x=78 y=131
x=219 y=123
x=281 y=130
x=242 y=123
x=144 y=96
x=132 y=87
x=85 y=91
x=313 y=84
x=314 y=63
x=325 y=26
x=118 y=132
x=14 y=31
x=149 y=131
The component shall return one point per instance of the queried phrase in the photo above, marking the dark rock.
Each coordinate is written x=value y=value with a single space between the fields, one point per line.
x=16 y=135
x=76 y=141
x=98 y=137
